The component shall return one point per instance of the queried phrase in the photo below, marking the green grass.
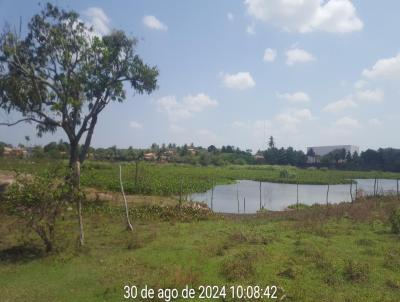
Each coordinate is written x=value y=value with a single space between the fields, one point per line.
x=341 y=253
x=165 y=179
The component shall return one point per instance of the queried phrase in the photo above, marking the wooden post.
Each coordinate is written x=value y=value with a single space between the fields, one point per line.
x=180 y=192
x=375 y=187
x=244 y=205
x=297 y=196
x=351 y=190
x=237 y=197
x=397 y=188
x=212 y=195
x=327 y=195
x=356 y=190
x=260 y=195
x=128 y=222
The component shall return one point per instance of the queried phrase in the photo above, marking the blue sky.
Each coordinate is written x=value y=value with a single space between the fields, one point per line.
x=233 y=72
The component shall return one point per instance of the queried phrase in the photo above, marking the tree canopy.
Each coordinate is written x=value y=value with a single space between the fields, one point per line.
x=62 y=75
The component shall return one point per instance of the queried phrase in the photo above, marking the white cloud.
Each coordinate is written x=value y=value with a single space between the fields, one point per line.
x=374 y=122
x=384 y=69
x=291 y=119
x=187 y=107
x=269 y=55
x=239 y=81
x=230 y=16
x=347 y=123
x=135 y=125
x=307 y=15
x=97 y=18
x=372 y=96
x=360 y=84
x=250 y=29
x=297 y=55
x=296 y=97
x=153 y=23
x=340 y=105
x=303 y=114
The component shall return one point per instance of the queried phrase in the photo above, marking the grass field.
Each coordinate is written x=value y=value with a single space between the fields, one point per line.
x=165 y=179
x=342 y=253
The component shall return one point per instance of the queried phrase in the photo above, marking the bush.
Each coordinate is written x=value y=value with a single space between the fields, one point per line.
x=38 y=200
x=239 y=268
x=355 y=271
x=284 y=174
x=395 y=221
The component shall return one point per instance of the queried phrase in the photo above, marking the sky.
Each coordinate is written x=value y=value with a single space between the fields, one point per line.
x=307 y=72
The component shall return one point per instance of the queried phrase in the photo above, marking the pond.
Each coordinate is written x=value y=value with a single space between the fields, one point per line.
x=278 y=196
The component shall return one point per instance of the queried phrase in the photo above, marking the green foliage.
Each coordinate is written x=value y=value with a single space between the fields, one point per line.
x=62 y=75
x=164 y=179
x=355 y=271
x=239 y=268
x=281 y=249
x=38 y=201
x=395 y=221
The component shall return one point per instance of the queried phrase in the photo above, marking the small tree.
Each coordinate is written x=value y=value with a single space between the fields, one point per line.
x=271 y=142
x=61 y=75
x=38 y=201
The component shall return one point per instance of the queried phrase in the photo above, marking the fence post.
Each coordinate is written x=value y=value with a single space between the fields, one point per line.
x=128 y=222
x=237 y=197
x=244 y=205
x=260 y=195
x=375 y=187
x=356 y=190
x=327 y=195
x=297 y=195
x=212 y=195
x=351 y=190
x=397 y=189
x=180 y=192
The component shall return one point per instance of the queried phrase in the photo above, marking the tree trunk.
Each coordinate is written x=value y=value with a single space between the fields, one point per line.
x=75 y=166
x=76 y=189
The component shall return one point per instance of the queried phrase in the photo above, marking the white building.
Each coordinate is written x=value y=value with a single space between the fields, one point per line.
x=320 y=151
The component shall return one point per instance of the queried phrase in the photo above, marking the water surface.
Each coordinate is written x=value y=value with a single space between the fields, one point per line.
x=277 y=196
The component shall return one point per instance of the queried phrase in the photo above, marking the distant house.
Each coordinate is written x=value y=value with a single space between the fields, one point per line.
x=319 y=151
x=191 y=151
x=15 y=152
x=259 y=157
x=150 y=156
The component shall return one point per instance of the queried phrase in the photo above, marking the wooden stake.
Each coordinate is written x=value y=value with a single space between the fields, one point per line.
x=212 y=195
x=237 y=197
x=244 y=205
x=297 y=196
x=180 y=192
x=351 y=190
x=327 y=195
x=260 y=195
x=128 y=222
x=397 y=188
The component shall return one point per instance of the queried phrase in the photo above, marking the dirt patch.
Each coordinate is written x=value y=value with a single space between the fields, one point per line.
x=115 y=198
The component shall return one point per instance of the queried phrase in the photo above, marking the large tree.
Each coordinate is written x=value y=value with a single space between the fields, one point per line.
x=61 y=75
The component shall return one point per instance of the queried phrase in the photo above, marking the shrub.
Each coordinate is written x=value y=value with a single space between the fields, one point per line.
x=355 y=271
x=284 y=173
x=395 y=221
x=38 y=200
x=239 y=268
